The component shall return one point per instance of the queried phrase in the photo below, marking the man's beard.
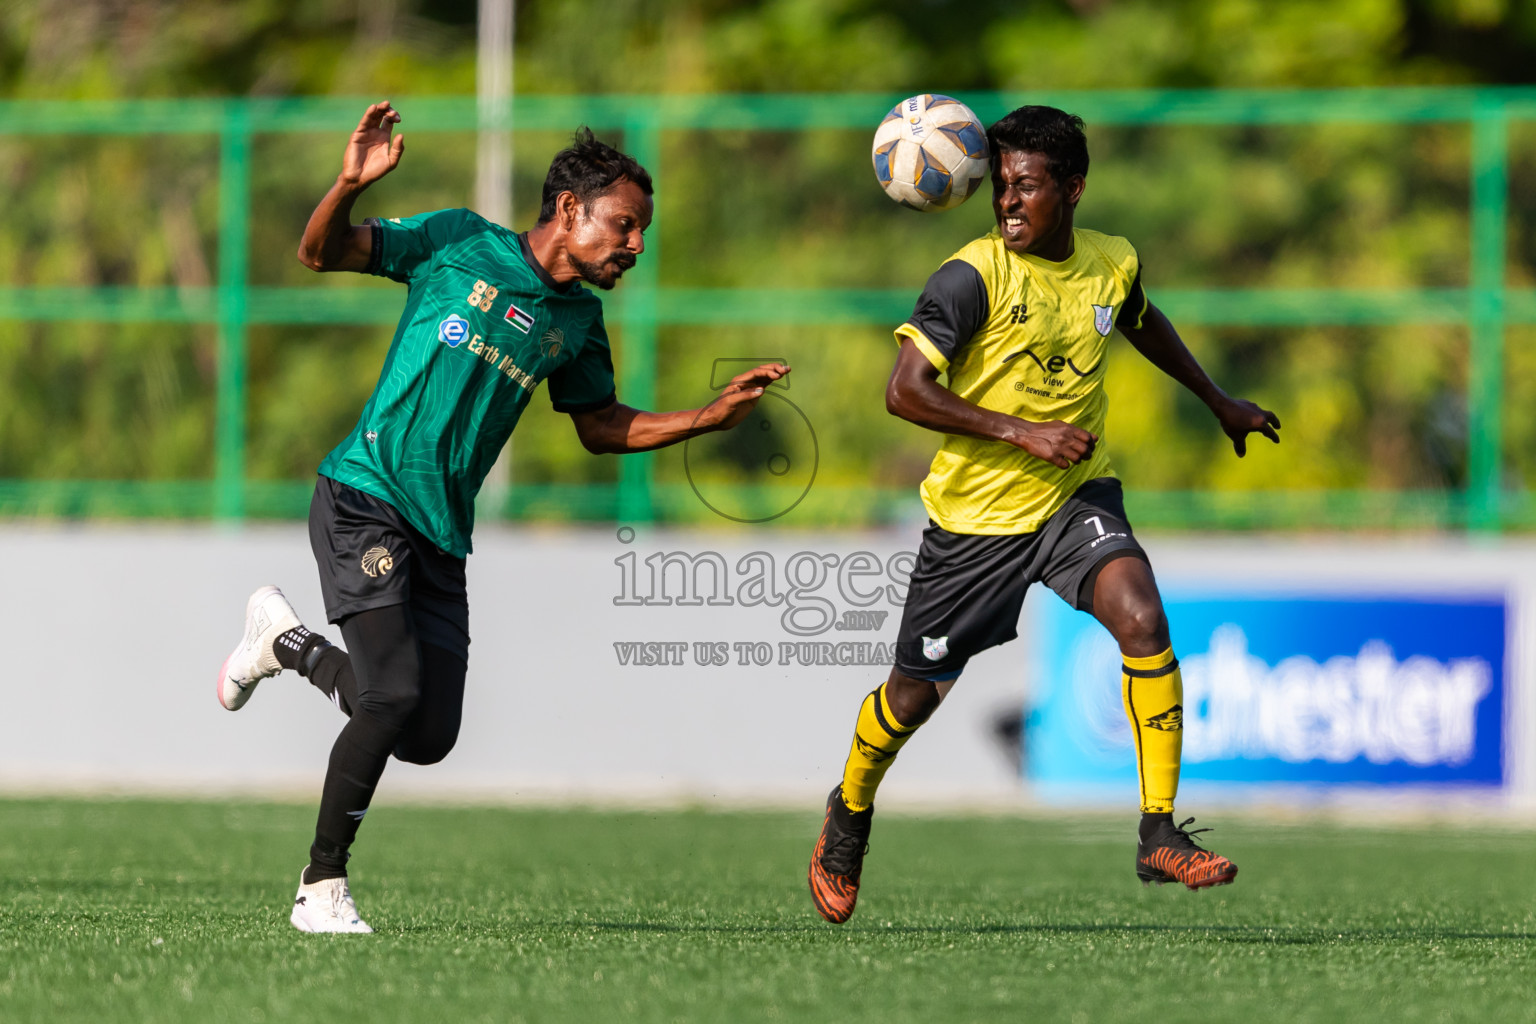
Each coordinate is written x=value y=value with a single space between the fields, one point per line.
x=597 y=273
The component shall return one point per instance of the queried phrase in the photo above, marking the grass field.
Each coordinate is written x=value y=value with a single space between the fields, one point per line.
x=167 y=911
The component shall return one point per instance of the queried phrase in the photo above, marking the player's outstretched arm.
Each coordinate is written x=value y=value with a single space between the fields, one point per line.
x=331 y=241
x=620 y=429
x=1160 y=343
x=915 y=394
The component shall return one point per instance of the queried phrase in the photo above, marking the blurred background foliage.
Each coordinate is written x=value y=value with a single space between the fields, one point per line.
x=1242 y=207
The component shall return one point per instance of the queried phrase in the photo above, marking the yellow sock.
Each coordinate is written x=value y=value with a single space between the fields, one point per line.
x=876 y=739
x=1153 y=692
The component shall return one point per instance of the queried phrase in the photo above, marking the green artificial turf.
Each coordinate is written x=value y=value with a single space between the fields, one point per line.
x=177 y=911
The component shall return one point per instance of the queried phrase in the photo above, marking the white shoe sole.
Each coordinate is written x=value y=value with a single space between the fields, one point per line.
x=218 y=685
x=304 y=926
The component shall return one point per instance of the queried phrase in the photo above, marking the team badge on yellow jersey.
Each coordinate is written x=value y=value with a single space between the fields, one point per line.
x=1103 y=320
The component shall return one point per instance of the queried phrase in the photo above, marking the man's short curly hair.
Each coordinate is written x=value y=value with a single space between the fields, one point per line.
x=588 y=168
x=1034 y=129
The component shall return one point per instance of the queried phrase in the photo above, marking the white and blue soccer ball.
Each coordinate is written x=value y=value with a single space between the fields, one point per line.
x=931 y=153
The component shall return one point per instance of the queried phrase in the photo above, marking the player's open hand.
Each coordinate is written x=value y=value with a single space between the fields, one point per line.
x=1239 y=418
x=740 y=396
x=1057 y=442
x=370 y=153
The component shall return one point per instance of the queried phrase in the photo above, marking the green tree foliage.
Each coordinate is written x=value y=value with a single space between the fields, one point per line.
x=1236 y=207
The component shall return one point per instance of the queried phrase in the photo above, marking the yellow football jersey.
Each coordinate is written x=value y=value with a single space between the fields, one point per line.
x=1025 y=336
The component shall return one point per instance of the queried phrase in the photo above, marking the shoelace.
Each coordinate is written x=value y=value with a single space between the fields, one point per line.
x=843 y=852
x=338 y=903
x=1189 y=836
x=840 y=855
x=344 y=906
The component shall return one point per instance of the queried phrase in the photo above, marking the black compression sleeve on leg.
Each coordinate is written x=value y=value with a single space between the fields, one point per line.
x=386 y=662
x=434 y=728
x=357 y=760
x=384 y=659
x=332 y=675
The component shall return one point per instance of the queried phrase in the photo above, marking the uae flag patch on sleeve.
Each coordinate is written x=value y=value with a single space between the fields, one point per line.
x=521 y=319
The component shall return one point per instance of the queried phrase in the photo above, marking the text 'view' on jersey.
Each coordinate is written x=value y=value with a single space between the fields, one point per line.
x=484 y=324
x=1024 y=336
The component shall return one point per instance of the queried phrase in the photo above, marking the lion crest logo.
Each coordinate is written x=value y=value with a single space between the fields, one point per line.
x=550 y=344
x=377 y=561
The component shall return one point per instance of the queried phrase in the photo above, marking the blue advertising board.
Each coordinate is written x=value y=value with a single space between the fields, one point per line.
x=1284 y=689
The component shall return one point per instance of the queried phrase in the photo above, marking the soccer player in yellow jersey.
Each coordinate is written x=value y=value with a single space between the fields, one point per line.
x=1022 y=488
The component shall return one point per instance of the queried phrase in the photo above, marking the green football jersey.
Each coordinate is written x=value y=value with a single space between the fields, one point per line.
x=484 y=323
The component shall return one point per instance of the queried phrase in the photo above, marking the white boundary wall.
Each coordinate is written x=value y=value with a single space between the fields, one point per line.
x=115 y=634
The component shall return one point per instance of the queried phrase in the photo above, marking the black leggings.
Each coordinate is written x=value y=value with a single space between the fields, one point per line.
x=417 y=688
x=402 y=697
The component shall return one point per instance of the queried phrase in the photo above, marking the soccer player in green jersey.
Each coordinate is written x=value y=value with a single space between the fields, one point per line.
x=489 y=315
x=1022 y=489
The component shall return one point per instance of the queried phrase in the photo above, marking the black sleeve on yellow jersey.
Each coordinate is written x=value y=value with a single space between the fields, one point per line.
x=1134 y=307
x=954 y=305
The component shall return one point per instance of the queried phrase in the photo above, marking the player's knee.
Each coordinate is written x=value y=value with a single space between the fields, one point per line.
x=394 y=706
x=1143 y=624
x=426 y=750
x=429 y=741
x=913 y=700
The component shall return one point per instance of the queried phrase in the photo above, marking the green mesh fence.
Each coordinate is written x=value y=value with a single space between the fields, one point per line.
x=1485 y=308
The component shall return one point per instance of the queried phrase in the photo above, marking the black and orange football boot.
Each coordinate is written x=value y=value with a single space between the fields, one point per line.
x=838 y=859
x=1171 y=855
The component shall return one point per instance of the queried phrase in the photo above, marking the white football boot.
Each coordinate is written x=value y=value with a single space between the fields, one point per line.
x=268 y=615
x=326 y=906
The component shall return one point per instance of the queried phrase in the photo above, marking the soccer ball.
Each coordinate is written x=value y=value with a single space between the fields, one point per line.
x=931 y=153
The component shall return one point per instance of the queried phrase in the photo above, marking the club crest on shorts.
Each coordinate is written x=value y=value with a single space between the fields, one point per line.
x=377 y=561
x=935 y=649
x=1103 y=319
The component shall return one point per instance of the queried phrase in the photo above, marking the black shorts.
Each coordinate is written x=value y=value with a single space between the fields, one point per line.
x=967 y=589
x=370 y=557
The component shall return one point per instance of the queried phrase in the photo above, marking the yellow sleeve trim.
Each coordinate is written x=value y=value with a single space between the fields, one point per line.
x=924 y=346
x=1141 y=314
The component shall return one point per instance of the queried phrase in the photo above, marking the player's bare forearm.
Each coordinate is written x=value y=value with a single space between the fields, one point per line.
x=915 y=394
x=621 y=430
x=931 y=405
x=1157 y=340
x=331 y=241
